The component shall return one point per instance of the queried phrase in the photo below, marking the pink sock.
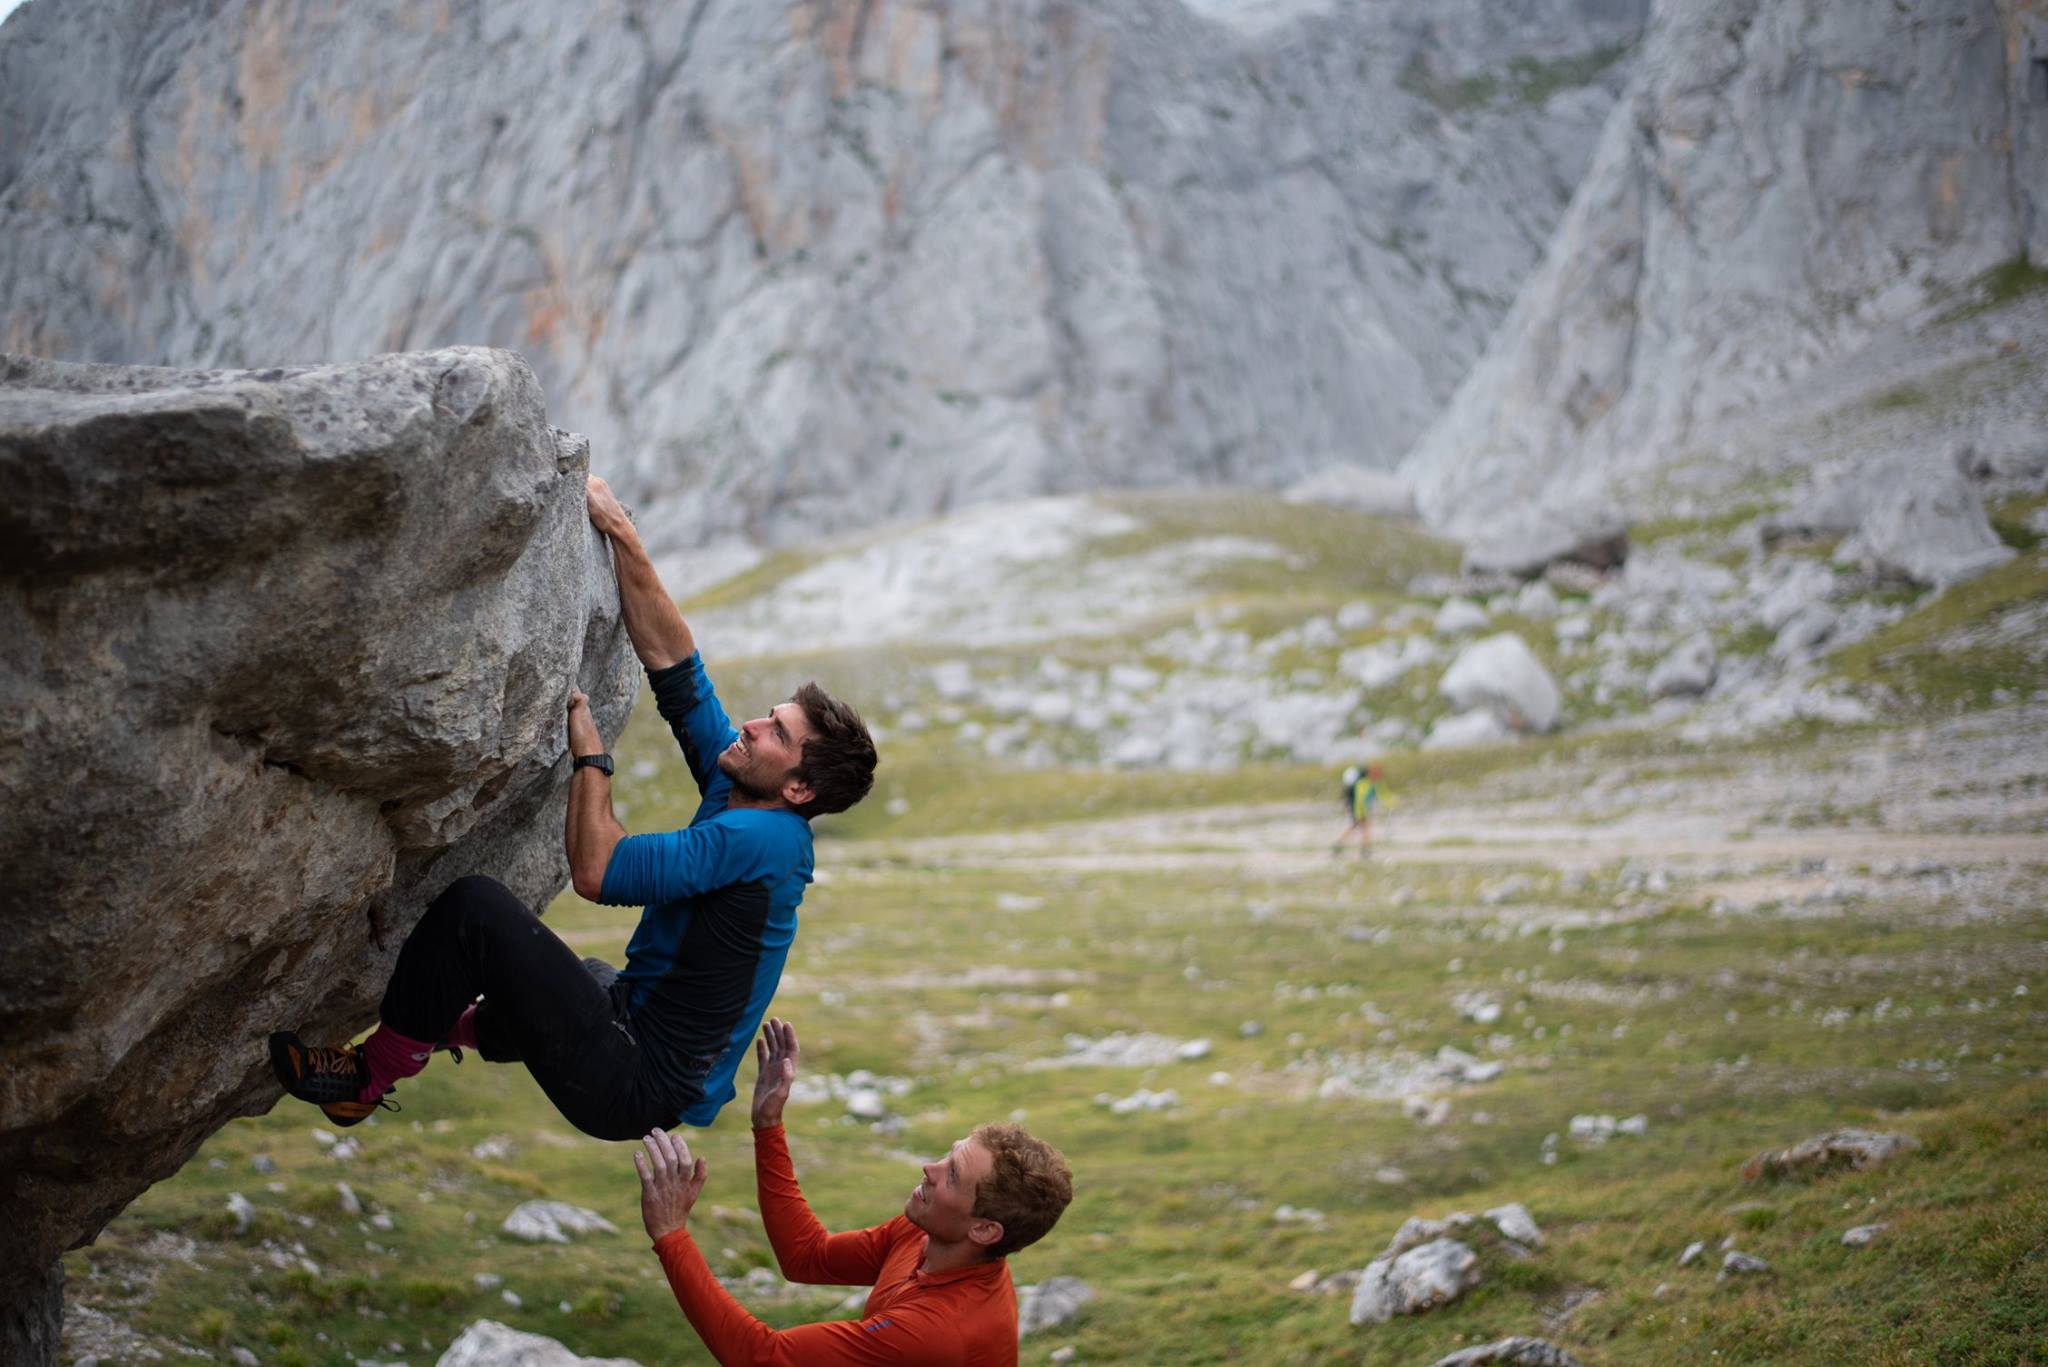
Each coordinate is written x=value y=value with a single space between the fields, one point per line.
x=463 y=1036
x=391 y=1056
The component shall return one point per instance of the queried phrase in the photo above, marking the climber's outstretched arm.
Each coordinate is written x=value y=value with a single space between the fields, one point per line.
x=660 y=635
x=593 y=832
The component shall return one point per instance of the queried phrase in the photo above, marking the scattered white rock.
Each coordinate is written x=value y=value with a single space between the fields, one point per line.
x=488 y=1281
x=1052 y=1302
x=1420 y=1279
x=1353 y=617
x=1461 y=730
x=243 y=1357
x=239 y=1207
x=490 y=1344
x=1694 y=1251
x=1805 y=631
x=350 y=1205
x=1520 y=1351
x=1537 y=601
x=1296 y=1215
x=1856 y=1149
x=1595 y=1130
x=1863 y=1235
x=1514 y=1222
x=1117 y=1049
x=554 y=1221
x=1736 y=1263
x=1382 y=663
x=1502 y=675
x=1481 y=1008
x=1459 y=616
x=1193 y=1050
x=1687 y=671
x=493 y=1149
x=1144 y=1099
x=263 y=1163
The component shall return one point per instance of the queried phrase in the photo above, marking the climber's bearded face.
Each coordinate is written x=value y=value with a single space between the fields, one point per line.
x=762 y=761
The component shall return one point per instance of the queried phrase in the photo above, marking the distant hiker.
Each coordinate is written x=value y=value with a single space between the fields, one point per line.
x=660 y=1045
x=940 y=1269
x=1363 y=797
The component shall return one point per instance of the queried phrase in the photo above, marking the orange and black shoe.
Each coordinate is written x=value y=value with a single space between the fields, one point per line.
x=332 y=1079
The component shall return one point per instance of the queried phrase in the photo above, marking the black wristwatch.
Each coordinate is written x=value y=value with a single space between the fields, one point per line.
x=601 y=763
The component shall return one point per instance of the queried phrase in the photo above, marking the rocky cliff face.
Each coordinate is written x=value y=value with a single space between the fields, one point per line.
x=1784 y=182
x=288 y=650
x=810 y=263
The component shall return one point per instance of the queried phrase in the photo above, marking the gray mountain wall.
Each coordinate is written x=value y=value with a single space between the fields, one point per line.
x=1784 y=180
x=804 y=265
x=288 y=651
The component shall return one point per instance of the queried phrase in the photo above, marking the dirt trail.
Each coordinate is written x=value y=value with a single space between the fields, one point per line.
x=1973 y=792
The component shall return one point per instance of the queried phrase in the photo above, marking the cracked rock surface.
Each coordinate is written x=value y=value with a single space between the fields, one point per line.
x=288 y=651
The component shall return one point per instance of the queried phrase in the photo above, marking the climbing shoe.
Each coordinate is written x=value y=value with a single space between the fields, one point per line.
x=332 y=1079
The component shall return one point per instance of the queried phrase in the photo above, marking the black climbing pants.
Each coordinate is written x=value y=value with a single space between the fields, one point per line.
x=541 y=1007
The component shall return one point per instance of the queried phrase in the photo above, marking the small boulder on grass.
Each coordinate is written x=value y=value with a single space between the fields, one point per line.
x=552 y=1222
x=1052 y=1302
x=1740 y=1264
x=490 y=1344
x=1519 y=1350
x=1855 y=1150
x=1423 y=1278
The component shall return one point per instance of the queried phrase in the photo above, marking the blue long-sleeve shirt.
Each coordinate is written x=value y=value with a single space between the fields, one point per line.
x=721 y=898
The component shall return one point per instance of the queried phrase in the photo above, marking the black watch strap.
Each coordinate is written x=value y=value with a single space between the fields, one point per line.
x=601 y=763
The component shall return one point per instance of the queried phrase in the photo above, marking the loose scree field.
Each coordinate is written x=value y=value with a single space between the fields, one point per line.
x=1743 y=943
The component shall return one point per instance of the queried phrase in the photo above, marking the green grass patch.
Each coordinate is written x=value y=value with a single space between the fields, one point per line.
x=2005 y=283
x=1919 y=658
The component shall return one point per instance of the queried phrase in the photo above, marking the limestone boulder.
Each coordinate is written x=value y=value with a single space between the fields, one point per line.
x=488 y=1343
x=1408 y=1283
x=554 y=1222
x=1502 y=675
x=1463 y=730
x=1519 y=1350
x=288 y=651
x=1929 y=527
x=1592 y=533
x=1051 y=1303
x=1834 y=1151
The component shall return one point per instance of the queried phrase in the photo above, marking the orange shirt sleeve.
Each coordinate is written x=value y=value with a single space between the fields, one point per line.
x=737 y=1339
x=804 y=1250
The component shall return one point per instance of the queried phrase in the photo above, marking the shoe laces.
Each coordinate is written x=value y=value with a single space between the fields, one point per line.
x=343 y=1062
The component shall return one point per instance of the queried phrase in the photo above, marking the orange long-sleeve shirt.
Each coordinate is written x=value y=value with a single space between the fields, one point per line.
x=963 y=1318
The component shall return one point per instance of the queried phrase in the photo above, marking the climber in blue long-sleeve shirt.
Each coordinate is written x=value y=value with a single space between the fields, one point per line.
x=659 y=1046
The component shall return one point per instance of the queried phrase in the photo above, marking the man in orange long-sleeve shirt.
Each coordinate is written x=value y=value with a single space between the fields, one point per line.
x=940 y=1271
